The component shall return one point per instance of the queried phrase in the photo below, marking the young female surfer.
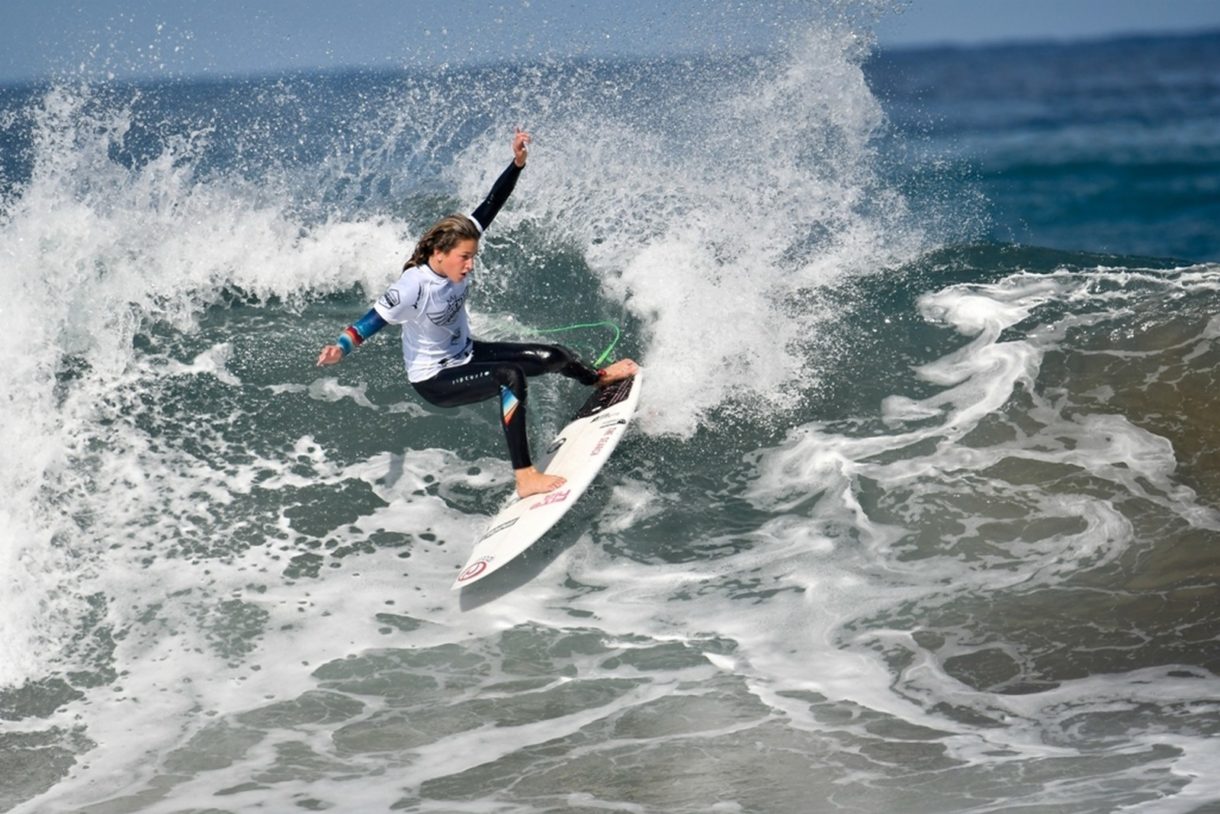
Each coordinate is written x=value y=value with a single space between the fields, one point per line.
x=445 y=364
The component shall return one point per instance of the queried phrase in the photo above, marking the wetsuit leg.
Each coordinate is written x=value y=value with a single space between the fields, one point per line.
x=500 y=369
x=535 y=359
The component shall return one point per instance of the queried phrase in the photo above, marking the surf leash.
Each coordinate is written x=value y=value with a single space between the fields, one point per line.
x=588 y=326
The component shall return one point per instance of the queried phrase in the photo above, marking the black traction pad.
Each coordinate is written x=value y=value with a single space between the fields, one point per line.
x=605 y=397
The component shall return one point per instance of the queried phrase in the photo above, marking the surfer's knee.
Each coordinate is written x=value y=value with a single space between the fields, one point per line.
x=553 y=358
x=559 y=359
x=512 y=378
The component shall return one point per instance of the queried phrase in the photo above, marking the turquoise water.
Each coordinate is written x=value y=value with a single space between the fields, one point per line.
x=919 y=512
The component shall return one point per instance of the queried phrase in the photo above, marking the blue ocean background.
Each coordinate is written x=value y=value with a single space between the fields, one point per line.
x=920 y=511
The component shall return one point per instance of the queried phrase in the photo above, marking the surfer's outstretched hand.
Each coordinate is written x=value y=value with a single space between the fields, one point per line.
x=622 y=369
x=330 y=355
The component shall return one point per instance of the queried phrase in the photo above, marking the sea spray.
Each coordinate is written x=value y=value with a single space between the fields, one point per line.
x=745 y=204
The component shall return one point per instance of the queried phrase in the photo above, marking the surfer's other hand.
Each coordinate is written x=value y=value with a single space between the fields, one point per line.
x=330 y=355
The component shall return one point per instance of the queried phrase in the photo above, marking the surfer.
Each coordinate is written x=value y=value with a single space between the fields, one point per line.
x=444 y=363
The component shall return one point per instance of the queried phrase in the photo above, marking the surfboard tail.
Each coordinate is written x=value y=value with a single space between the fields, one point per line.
x=578 y=453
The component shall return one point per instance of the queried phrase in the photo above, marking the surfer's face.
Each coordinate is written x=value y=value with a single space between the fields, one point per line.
x=456 y=263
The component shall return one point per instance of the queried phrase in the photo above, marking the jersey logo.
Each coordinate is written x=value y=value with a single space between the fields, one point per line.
x=450 y=312
x=390 y=298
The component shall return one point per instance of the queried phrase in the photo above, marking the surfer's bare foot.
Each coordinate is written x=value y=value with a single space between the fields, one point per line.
x=622 y=369
x=532 y=482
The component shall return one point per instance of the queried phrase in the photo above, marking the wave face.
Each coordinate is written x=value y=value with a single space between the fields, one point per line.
x=914 y=518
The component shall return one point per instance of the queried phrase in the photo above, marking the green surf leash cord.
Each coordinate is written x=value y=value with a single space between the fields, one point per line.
x=587 y=326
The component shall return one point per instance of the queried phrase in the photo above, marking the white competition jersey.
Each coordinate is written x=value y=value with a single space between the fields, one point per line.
x=432 y=313
x=431 y=309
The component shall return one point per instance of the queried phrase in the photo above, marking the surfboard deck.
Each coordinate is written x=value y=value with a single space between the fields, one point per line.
x=578 y=452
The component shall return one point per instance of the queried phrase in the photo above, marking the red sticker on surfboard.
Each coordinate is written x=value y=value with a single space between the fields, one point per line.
x=473 y=570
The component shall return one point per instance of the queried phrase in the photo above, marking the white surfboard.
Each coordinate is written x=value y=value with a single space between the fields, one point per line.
x=577 y=454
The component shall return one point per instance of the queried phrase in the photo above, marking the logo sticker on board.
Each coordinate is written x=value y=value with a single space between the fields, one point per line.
x=552 y=498
x=497 y=529
x=474 y=569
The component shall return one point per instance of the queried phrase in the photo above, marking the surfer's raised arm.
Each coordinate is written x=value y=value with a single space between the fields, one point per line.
x=485 y=212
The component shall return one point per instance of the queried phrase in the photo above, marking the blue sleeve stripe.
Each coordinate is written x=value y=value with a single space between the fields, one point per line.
x=369 y=324
x=353 y=336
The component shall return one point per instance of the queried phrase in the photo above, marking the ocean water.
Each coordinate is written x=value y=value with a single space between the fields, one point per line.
x=920 y=512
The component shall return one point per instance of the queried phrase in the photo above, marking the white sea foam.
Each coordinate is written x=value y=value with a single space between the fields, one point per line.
x=949 y=477
x=94 y=253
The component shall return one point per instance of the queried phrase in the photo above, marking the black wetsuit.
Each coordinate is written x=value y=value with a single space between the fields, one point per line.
x=501 y=368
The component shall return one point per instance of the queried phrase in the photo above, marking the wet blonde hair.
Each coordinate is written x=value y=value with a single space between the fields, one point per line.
x=443 y=236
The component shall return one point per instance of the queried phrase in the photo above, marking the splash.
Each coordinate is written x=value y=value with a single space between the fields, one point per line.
x=721 y=213
x=99 y=247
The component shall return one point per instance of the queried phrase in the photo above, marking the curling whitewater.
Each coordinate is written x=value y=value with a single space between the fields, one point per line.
x=939 y=535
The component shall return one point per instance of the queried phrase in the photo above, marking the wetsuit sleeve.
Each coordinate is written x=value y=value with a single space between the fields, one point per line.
x=353 y=335
x=485 y=212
